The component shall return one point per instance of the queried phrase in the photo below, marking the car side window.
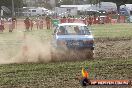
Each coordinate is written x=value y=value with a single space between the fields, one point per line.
x=85 y=30
x=61 y=30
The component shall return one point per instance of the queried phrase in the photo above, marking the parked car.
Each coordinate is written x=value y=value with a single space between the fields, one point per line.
x=72 y=37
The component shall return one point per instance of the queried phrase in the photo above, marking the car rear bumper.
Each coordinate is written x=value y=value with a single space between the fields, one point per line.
x=75 y=48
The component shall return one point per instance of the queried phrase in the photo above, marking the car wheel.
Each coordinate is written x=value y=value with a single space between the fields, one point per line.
x=90 y=54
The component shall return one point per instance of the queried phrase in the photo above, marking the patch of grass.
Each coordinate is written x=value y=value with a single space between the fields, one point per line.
x=98 y=30
x=112 y=30
x=63 y=74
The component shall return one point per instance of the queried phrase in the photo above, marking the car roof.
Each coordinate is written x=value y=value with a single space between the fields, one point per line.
x=79 y=24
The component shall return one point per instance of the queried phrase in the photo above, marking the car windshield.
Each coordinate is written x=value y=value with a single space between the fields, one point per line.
x=73 y=30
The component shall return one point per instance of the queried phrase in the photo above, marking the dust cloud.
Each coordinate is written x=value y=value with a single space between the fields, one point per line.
x=31 y=49
x=26 y=48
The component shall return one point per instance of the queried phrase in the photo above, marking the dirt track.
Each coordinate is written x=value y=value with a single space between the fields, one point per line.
x=113 y=48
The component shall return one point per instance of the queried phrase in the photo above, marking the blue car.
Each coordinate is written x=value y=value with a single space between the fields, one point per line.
x=72 y=37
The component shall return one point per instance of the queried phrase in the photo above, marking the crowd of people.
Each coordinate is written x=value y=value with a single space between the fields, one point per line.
x=47 y=21
x=29 y=23
x=11 y=24
x=88 y=20
x=39 y=21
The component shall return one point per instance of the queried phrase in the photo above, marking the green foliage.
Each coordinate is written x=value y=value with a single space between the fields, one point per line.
x=69 y=2
x=8 y=3
x=118 y=2
x=65 y=2
x=93 y=1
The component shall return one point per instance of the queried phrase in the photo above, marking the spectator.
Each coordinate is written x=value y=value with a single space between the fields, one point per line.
x=10 y=25
x=31 y=22
x=48 y=22
x=41 y=23
x=27 y=23
x=1 y=24
x=62 y=31
x=76 y=29
x=37 y=22
x=14 y=22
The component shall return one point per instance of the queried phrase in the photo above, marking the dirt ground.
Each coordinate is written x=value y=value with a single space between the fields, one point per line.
x=113 y=48
x=104 y=47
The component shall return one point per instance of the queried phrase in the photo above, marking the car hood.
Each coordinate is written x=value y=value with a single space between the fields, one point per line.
x=74 y=37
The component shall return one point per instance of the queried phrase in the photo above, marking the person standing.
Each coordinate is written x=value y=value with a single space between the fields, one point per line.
x=41 y=23
x=98 y=21
x=37 y=22
x=10 y=24
x=14 y=22
x=31 y=22
x=90 y=20
x=48 y=22
x=27 y=23
x=94 y=19
x=63 y=19
x=1 y=24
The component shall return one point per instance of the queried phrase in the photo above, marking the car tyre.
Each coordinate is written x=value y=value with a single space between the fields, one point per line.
x=90 y=54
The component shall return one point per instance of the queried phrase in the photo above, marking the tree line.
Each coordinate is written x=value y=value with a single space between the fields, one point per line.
x=72 y=2
x=8 y=3
x=19 y=3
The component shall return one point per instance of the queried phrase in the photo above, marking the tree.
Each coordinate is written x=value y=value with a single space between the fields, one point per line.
x=8 y=3
x=42 y=3
x=118 y=3
x=69 y=2
x=93 y=1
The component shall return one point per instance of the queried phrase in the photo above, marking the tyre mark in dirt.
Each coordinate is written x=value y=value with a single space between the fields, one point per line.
x=113 y=47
